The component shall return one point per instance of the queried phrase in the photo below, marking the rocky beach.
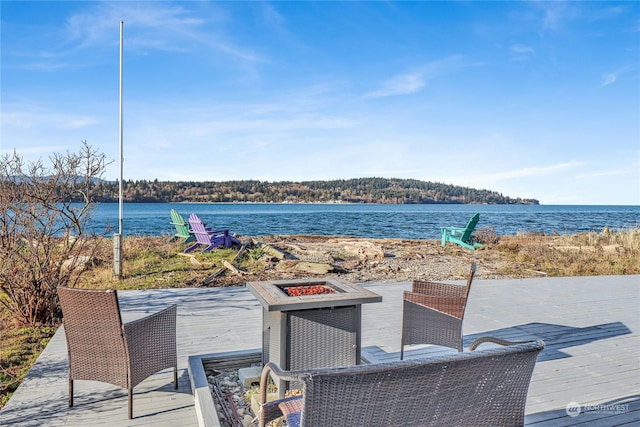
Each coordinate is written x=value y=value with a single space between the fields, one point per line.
x=362 y=260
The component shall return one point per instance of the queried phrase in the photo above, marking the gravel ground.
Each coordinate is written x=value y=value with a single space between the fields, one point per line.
x=362 y=260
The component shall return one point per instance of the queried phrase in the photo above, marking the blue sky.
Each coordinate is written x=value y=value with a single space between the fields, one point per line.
x=530 y=99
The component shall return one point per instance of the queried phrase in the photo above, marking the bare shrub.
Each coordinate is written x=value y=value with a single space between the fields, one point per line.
x=486 y=235
x=45 y=238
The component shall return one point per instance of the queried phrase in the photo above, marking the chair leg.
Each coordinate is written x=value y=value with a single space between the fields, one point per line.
x=175 y=377
x=70 y=393
x=192 y=247
x=130 y=402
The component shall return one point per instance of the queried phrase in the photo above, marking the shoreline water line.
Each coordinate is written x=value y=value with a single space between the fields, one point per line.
x=365 y=220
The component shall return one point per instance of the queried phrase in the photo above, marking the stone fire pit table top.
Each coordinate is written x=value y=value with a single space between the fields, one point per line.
x=271 y=295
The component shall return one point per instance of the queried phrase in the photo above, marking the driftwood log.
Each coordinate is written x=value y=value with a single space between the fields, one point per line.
x=272 y=251
x=226 y=265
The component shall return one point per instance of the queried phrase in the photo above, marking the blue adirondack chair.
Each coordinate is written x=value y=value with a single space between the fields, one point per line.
x=211 y=238
x=461 y=236
x=182 y=228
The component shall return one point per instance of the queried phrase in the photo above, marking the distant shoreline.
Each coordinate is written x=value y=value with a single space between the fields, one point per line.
x=356 y=190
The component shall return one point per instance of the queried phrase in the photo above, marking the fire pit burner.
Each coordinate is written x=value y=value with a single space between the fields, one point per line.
x=305 y=290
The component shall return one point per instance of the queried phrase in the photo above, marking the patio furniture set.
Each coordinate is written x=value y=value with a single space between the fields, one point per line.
x=476 y=387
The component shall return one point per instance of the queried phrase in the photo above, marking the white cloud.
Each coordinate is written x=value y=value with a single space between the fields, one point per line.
x=400 y=85
x=415 y=81
x=271 y=18
x=610 y=78
x=16 y=119
x=34 y=152
x=148 y=26
x=616 y=172
x=80 y=122
x=533 y=171
x=159 y=23
x=520 y=52
x=556 y=13
x=30 y=116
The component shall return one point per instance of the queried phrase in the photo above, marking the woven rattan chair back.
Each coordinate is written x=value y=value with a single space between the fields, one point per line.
x=95 y=342
x=433 y=313
x=479 y=388
x=102 y=348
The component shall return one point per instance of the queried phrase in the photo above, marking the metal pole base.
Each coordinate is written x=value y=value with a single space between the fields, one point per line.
x=117 y=256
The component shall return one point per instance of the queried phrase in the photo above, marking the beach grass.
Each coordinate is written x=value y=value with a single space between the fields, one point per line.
x=584 y=254
x=19 y=349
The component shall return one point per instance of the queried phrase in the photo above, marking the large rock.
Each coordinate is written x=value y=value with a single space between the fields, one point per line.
x=306 y=267
x=81 y=262
x=363 y=250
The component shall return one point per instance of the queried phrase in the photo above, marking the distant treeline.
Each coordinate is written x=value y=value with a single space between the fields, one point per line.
x=357 y=190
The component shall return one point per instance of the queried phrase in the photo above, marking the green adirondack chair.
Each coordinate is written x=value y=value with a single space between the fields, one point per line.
x=182 y=228
x=462 y=236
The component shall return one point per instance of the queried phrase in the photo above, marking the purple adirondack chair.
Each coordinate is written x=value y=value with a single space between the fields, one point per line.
x=211 y=238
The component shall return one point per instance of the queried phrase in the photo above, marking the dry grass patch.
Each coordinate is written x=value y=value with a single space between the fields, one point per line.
x=153 y=263
x=19 y=348
x=584 y=254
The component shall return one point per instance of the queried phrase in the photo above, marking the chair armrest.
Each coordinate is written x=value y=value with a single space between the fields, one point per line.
x=454 y=229
x=273 y=368
x=157 y=322
x=221 y=231
x=210 y=232
x=452 y=306
x=436 y=289
x=153 y=339
x=482 y=340
x=157 y=328
x=269 y=411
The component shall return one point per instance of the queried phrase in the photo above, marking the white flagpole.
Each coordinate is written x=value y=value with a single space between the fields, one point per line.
x=117 y=238
x=121 y=145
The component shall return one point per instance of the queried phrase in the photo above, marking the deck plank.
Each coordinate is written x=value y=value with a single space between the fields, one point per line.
x=590 y=325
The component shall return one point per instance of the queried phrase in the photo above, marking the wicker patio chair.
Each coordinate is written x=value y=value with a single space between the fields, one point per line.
x=102 y=348
x=478 y=388
x=432 y=313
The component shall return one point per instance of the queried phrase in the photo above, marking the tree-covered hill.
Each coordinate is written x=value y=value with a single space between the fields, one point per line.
x=357 y=190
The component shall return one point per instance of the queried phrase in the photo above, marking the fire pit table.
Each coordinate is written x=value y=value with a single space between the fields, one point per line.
x=311 y=323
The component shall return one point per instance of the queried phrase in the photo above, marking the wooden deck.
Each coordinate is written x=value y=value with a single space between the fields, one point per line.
x=591 y=326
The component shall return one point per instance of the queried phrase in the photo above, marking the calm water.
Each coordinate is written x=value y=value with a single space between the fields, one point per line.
x=376 y=221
